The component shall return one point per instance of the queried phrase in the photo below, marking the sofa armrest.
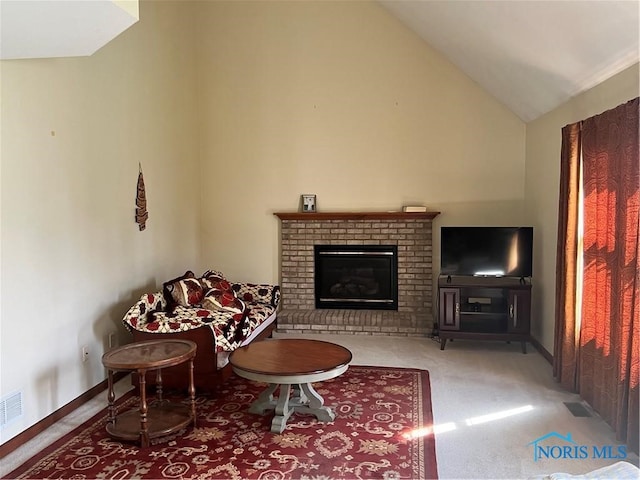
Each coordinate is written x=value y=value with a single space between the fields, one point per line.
x=260 y=293
x=148 y=304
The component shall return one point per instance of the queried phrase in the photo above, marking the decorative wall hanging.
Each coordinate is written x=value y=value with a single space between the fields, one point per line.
x=141 y=202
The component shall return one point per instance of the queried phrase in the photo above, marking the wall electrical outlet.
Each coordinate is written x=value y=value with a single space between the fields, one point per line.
x=112 y=340
x=85 y=353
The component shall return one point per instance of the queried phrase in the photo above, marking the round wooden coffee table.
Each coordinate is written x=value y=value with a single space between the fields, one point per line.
x=291 y=364
x=160 y=417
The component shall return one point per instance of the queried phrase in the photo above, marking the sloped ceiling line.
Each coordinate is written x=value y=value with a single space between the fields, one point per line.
x=530 y=55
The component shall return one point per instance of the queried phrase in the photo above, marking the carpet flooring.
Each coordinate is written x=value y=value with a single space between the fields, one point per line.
x=382 y=430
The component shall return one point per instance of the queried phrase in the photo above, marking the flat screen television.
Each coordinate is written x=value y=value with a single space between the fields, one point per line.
x=487 y=251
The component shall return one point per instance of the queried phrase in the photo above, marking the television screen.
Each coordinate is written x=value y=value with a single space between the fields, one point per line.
x=487 y=251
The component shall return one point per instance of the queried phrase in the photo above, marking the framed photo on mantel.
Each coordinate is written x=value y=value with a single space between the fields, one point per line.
x=308 y=203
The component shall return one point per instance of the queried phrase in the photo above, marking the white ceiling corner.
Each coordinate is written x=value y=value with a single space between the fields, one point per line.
x=61 y=28
x=531 y=55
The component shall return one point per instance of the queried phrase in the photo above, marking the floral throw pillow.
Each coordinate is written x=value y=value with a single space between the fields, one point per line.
x=215 y=282
x=187 y=292
x=213 y=273
x=176 y=293
x=223 y=300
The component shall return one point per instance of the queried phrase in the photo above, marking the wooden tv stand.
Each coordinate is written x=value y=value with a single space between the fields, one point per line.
x=484 y=308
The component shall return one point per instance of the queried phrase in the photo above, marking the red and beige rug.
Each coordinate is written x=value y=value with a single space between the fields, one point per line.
x=382 y=430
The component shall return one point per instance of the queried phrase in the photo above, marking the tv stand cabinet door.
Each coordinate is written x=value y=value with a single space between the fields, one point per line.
x=449 y=309
x=519 y=311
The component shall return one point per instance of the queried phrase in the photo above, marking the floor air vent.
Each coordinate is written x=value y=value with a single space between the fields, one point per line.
x=10 y=408
x=577 y=409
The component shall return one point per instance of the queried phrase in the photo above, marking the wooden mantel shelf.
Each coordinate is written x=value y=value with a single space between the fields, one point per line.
x=310 y=216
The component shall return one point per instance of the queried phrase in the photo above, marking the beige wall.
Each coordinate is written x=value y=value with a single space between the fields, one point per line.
x=334 y=98
x=73 y=260
x=341 y=100
x=542 y=186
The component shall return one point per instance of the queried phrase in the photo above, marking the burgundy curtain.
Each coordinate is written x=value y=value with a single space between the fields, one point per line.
x=611 y=301
x=565 y=352
x=604 y=364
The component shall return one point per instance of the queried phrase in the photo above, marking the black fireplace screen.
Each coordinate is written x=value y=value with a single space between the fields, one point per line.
x=356 y=276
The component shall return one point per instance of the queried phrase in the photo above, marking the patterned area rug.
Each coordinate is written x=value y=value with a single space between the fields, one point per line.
x=382 y=430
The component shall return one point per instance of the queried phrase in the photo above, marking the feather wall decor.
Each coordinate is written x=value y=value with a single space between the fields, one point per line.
x=141 y=202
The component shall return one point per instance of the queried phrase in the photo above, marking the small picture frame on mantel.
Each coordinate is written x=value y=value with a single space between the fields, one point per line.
x=308 y=202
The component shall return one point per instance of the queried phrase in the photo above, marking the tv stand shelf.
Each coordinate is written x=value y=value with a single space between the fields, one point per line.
x=484 y=308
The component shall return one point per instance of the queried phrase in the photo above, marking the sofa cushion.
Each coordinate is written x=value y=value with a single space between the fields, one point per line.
x=215 y=283
x=258 y=293
x=187 y=292
x=213 y=273
x=230 y=329
x=225 y=300
x=173 y=292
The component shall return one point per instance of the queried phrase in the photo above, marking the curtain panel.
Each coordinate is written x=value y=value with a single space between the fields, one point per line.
x=600 y=361
x=608 y=371
x=565 y=352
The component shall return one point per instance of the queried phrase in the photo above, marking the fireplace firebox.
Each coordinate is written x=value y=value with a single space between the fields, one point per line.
x=356 y=276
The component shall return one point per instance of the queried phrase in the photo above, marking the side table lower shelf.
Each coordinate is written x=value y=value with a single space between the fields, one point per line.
x=159 y=417
x=162 y=419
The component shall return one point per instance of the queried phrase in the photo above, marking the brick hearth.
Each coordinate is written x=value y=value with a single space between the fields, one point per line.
x=411 y=232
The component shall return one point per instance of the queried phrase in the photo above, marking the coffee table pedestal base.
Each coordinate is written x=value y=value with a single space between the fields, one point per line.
x=302 y=398
x=291 y=364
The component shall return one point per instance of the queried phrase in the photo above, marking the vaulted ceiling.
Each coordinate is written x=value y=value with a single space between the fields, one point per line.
x=530 y=55
x=61 y=28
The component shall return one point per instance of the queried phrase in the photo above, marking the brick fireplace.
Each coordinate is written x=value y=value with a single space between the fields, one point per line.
x=410 y=232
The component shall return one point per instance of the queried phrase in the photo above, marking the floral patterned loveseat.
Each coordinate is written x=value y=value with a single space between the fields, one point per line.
x=217 y=314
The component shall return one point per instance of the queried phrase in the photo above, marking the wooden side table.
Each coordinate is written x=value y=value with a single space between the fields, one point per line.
x=292 y=365
x=160 y=417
